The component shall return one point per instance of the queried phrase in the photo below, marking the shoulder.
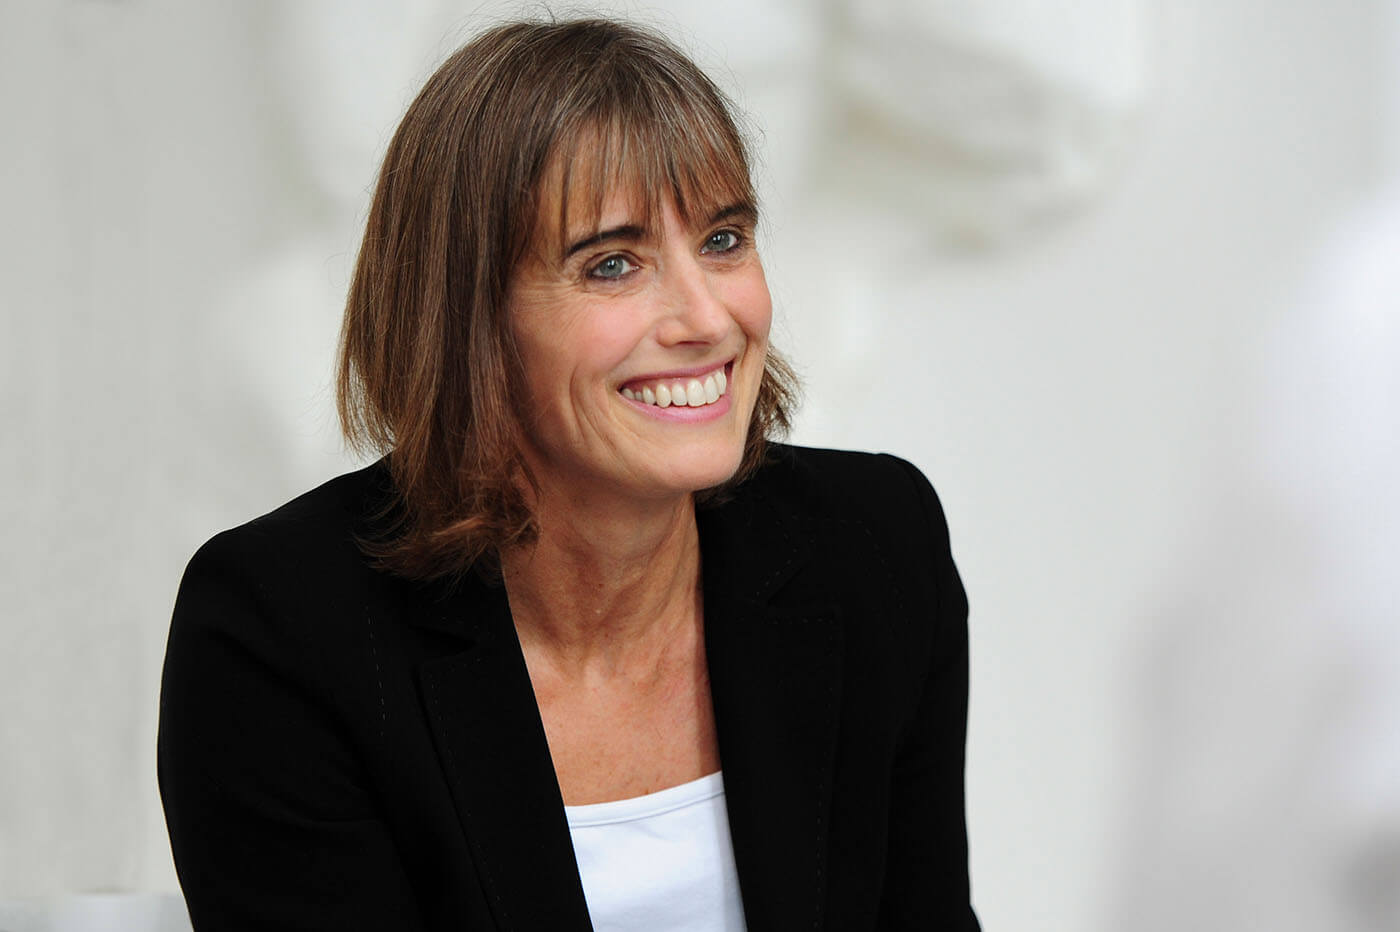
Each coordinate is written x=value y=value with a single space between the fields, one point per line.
x=868 y=521
x=880 y=490
x=864 y=533
x=299 y=563
x=314 y=533
x=830 y=521
x=337 y=510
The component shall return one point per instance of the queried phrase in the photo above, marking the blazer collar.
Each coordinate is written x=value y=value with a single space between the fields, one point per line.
x=775 y=669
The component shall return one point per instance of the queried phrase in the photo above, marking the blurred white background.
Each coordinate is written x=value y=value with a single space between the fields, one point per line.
x=1121 y=276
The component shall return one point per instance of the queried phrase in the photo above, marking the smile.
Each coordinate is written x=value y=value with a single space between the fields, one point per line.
x=693 y=392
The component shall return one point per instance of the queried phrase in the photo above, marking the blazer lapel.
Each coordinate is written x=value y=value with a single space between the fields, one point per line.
x=775 y=679
x=492 y=746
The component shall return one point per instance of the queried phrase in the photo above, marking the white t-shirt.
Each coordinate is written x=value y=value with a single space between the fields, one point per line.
x=659 y=863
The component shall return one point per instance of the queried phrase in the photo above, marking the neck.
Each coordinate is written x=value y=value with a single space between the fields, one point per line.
x=605 y=583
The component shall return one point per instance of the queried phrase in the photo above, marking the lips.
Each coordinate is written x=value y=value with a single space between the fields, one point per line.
x=694 y=391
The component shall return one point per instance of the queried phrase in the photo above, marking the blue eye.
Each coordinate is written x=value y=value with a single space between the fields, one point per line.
x=721 y=241
x=613 y=267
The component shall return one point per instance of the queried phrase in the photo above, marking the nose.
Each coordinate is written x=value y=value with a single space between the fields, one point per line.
x=694 y=310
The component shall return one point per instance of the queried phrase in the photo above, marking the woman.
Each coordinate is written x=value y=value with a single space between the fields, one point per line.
x=583 y=644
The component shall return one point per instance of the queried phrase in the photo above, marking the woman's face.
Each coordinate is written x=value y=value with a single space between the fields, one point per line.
x=643 y=347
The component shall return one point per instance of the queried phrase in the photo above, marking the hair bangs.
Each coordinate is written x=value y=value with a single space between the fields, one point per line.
x=660 y=147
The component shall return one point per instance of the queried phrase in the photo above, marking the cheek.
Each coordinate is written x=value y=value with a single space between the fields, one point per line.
x=753 y=308
x=535 y=364
x=544 y=365
x=569 y=364
x=606 y=339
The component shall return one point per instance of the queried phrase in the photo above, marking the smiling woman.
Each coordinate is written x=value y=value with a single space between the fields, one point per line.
x=663 y=308
x=531 y=147
x=584 y=648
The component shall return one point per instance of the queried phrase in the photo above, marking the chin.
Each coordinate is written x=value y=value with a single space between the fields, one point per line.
x=704 y=471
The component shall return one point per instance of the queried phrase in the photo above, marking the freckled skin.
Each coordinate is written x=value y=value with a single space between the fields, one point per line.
x=666 y=298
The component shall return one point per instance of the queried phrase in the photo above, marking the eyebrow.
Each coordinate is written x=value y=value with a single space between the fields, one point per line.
x=626 y=231
x=743 y=211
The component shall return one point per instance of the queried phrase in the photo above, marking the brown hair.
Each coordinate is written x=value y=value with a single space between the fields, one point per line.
x=427 y=360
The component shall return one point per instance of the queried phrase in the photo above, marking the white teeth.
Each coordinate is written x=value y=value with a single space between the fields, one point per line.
x=694 y=393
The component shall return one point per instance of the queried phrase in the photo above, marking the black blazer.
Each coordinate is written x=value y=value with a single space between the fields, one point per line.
x=343 y=749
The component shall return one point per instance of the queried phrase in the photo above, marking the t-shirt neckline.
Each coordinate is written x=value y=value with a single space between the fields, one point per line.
x=635 y=808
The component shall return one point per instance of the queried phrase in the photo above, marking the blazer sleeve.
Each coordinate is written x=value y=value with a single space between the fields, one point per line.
x=926 y=883
x=270 y=824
